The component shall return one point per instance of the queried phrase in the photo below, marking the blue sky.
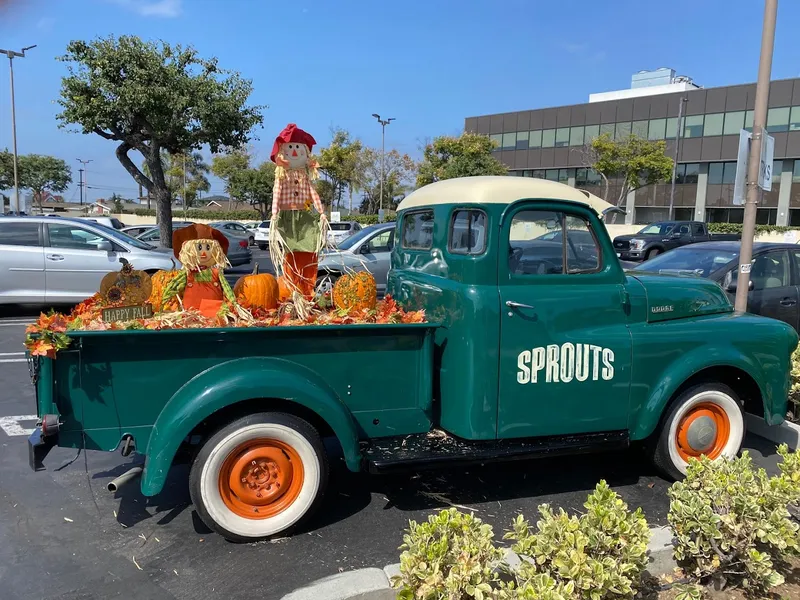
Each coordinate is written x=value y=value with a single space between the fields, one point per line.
x=428 y=64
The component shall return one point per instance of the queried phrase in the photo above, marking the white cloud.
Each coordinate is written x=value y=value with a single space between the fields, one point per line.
x=154 y=8
x=45 y=24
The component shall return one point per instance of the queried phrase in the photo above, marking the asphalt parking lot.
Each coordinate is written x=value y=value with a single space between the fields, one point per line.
x=64 y=537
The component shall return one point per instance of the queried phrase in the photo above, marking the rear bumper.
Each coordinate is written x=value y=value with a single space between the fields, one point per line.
x=39 y=447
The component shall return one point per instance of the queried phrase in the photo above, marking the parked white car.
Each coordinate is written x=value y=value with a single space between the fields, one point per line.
x=56 y=260
x=262 y=235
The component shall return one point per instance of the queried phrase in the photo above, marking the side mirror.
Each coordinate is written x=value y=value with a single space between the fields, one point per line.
x=677 y=234
x=729 y=283
x=364 y=249
x=104 y=246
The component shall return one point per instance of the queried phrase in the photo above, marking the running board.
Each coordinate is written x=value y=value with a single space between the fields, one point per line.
x=437 y=449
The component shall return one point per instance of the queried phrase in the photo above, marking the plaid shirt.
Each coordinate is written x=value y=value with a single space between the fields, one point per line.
x=294 y=191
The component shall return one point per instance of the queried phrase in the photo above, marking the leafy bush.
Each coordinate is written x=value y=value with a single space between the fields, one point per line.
x=737 y=228
x=211 y=215
x=794 y=387
x=597 y=556
x=451 y=556
x=731 y=522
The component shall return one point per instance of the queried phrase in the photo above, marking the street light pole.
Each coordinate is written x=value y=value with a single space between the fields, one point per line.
x=683 y=100
x=11 y=56
x=384 y=123
x=754 y=159
x=84 y=179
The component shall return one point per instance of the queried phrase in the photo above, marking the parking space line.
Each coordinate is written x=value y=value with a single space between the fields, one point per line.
x=12 y=354
x=12 y=427
x=13 y=360
x=16 y=324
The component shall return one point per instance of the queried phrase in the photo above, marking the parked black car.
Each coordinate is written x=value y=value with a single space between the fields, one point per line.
x=774 y=276
x=657 y=238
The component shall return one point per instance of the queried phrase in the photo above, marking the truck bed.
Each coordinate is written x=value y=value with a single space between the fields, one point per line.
x=111 y=383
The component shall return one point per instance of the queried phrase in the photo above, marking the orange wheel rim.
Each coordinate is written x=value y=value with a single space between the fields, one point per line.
x=261 y=478
x=704 y=430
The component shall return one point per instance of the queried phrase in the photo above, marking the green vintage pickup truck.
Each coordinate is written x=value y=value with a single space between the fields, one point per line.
x=538 y=344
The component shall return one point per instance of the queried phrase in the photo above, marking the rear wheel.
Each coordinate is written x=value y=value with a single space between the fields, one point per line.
x=325 y=282
x=259 y=476
x=262 y=246
x=251 y=241
x=651 y=253
x=705 y=420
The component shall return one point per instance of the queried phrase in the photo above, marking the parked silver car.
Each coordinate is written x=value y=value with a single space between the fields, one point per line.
x=238 y=251
x=54 y=260
x=342 y=230
x=234 y=229
x=370 y=249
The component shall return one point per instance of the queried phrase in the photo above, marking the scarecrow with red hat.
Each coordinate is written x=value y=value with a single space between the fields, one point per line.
x=200 y=284
x=296 y=233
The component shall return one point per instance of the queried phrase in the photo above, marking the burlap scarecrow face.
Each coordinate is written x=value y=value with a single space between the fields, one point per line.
x=202 y=253
x=295 y=154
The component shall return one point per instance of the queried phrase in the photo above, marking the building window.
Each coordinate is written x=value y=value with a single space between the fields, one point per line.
x=622 y=131
x=672 y=128
x=794 y=120
x=639 y=129
x=778 y=119
x=691 y=173
x=734 y=123
x=538 y=173
x=535 y=139
x=607 y=129
x=715 y=172
x=522 y=140
x=497 y=138
x=693 y=126
x=562 y=137
x=551 y=174
x=468 y=232
x=729 y=172
x=576 y=136
x=796 y=172
x=748 y=120
x=580 y=176
x=713 y=124
x=590 y=132
x=509 y=141
x=563 y=175
x=548 y=138
x=657 y=129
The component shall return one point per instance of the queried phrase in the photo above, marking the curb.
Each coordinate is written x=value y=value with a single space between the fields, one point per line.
x=373 y=583
x=785 y=433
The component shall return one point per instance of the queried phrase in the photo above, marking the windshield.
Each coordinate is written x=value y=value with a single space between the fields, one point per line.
x=123 y=237
x=359 y=237
x=689 y=260
x=657 y=229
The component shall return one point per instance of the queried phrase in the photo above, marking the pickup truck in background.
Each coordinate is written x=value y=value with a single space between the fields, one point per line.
x=657 y=238
x=536 y=345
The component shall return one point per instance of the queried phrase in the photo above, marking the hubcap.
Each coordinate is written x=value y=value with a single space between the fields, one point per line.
x=705 y=429
x=261 y=478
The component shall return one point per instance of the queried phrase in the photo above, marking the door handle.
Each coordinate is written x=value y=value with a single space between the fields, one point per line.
x=55 y=257
x=512 y=304
x=788 y=302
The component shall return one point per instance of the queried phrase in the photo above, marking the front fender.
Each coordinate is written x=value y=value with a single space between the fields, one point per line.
x=646 y=419
x=234 y=381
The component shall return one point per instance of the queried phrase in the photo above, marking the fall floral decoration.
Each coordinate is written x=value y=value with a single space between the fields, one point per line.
x=355 y=291
x=126 y=286
x=159 y=281
x=258 y=290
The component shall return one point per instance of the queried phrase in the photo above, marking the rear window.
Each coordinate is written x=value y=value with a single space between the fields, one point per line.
x=117 y=223
x=19 y=234
x=340 y=226
x=418 y=230
x=468 y=232
x=264 y=225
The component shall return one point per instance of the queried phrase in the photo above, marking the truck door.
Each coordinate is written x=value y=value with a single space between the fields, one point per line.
x=565 y=349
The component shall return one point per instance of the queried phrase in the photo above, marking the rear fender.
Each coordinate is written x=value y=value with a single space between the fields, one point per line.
x=645 y=421
x=235 y=381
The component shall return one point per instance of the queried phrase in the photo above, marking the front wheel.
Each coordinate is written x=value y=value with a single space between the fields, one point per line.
x=651 y=253
x=259 y=476
x=705 y=420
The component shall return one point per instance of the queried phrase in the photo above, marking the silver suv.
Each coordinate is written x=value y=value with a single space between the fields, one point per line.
x=52 y=260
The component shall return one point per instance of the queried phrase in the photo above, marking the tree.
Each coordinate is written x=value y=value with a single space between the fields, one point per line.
x=255 y=187
x=341 y=162
x=399 y=170
x=468 y=155
x=635 y=161
x=117 y=201
x=228 y=167
x=41 y=174
x=151 y=96
x=173 y=166
x=6 y=170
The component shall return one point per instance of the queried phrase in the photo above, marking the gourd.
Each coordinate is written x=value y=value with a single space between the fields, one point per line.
x=159 y=281
x=355 y=291
x=126 y=287
x=257 y=290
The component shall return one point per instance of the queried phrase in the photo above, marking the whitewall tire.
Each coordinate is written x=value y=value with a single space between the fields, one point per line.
x=705 y=420
x=259 y=476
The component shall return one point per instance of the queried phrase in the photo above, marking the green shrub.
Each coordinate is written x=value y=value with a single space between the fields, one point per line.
x=737 y=228
x=211 y=215
x=450 y=556
x=599 y=555
x=794 y=386
x=731 y=522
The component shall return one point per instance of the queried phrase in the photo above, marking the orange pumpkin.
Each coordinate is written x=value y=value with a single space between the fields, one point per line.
x=284 y=291
x=257 y=290
x=159 y=281
x=355 y=291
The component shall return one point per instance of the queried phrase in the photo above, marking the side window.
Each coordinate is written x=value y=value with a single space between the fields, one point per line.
x=418 y=230
x=468 y=232
x=683 y=230
x=770 y=270
x=19 y=234
x=699 y=229
x=381 y=242
x=551 y=243
x=70 y=236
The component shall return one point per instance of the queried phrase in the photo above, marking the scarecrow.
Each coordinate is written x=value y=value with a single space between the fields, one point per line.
x=200 y=284
x=296 y=234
